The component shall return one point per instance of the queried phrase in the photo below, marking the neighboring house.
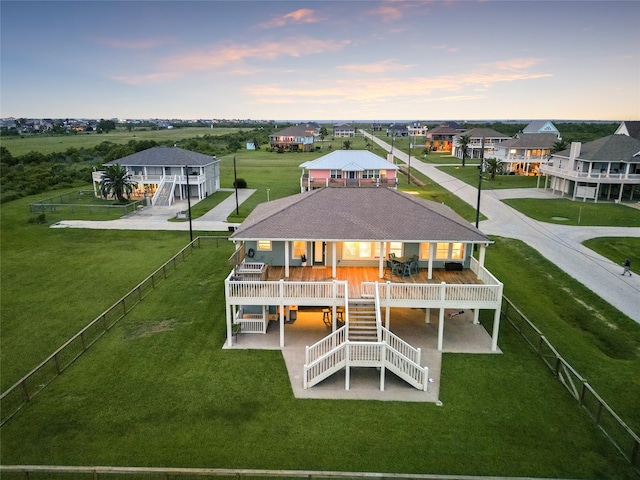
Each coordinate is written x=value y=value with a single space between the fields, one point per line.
x=630 y=129
x=398 y=130
x=333 y=249
x=529 y=149
x=440 y=138
x=376 y=127
x=541 y=126
x=474 y=148
x=161 y=174
x=417 y=129
x=604 y=169
x=344 y=130
x=348 y=168
x=298 y=138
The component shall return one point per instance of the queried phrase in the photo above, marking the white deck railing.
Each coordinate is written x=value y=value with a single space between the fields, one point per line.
x=252 y=322
x=427 y=295
x=586 y=176
x=247 y=292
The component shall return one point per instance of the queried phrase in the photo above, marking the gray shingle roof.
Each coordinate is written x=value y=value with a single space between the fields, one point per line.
x=531 y=140
x=166 y=157
x=356 y=214
x=483 y=132
x=612 y=148
x=632 y=127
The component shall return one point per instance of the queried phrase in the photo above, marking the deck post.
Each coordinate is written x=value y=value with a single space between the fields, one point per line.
x=334 y=252
x=229 y=331
x=387 y=313
x=347 y=368
x=282 y=313
x=476 y=316
x=443 y=286
x=334 y=309
x=432 y=253
x=496 y=328
x=286 y=259
x=427 y=317
x=383 y=355
x=381 y=260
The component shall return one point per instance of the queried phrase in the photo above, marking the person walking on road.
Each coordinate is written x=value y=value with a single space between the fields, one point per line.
x=627 y=266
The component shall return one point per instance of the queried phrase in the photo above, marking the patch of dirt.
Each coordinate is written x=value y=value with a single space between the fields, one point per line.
x=588 y=307
x=151 y=328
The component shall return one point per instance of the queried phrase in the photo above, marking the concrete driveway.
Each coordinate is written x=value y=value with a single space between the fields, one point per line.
x=560 y=244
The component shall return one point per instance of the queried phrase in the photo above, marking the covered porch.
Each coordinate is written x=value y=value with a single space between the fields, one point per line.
x=461 y=335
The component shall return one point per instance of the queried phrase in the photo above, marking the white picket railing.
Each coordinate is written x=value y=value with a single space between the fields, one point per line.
x=248 y=292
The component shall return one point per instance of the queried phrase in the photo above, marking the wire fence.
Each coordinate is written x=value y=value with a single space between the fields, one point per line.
x=20 y=393
x=622 y=437
x=80 y=202
x=43 y=472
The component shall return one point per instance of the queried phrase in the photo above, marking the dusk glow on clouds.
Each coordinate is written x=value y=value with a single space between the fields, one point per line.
x=321 y=60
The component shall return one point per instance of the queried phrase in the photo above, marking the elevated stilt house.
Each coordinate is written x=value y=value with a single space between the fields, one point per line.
x=356 y=254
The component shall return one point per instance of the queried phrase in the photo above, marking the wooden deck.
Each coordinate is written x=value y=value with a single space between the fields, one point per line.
x=356 y=275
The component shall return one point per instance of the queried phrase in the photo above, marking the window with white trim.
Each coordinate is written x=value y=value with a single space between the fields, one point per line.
x=336 y=173
x=299 y=249
x=264 y=245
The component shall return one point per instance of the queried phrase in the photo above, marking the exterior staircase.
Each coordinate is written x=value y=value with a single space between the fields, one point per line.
x=363 y=342
x=164 y=194
x=361 y=323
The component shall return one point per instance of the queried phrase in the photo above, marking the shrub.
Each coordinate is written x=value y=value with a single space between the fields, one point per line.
x=40 y=219
x=240 y=183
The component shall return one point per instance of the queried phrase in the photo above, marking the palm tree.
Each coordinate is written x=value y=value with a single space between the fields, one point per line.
x=494 y=166
x=347 y=144
x=116 y=181
x=464 y=142
x=559 y=146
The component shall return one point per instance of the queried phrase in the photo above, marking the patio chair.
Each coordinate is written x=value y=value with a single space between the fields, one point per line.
x=394 y=268
x=413 y=266
x=406 y=270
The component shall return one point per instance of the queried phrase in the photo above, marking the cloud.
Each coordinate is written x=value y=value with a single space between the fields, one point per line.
x=392 y=10
x=227 y=58
x=378 y=89
x=378 y=67
x=303 y=15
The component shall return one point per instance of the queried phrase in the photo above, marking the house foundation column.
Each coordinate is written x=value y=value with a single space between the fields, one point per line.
x=496 y=328
x=440 y=329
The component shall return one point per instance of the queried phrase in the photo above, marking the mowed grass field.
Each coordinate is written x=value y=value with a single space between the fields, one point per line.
x=159 y=389
x=59 y=143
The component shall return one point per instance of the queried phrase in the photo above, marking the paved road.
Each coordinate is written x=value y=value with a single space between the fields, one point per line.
x=157 y=218
x=561 y=244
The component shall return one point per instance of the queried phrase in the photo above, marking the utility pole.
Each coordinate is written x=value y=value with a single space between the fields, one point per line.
x=235 y=184
x=186 y=170
x=480 y=171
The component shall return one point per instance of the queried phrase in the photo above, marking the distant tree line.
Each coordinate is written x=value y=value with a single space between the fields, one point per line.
x=569 y=131
x=35 y=172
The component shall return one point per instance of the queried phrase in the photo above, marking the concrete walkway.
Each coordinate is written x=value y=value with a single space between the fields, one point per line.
x=560 y=244
x=157 y=218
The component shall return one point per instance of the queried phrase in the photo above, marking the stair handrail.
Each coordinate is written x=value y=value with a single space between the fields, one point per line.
x=325 y=346
x=398 y=344
x=376 y=303
x=156 y=194
x=173 y=189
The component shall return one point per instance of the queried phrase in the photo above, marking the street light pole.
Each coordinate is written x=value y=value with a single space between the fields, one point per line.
x=480 y=170
x=186 y=170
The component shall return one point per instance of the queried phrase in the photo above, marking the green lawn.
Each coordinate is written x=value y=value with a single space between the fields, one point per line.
x=567 y=212
x=46 y=144
x=617 y=249
x=160 y=390
x=469 y=174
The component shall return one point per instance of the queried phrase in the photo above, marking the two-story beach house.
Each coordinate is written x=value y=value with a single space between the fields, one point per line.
x=361 y=256
x=605 y=169
x=348 y=168
x=344 y=130
x=527 y=150
x=298 y=138
x=440 y=138
x=164 y=174
x=477 y=138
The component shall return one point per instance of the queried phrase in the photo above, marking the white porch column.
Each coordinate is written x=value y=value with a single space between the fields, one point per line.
x=496 y=328
x=381 y=261
x=286 y=259
x=387 y=313
x=476 y=316
x=282 y=314
x=334 y=253
x=440 y=329
x=432 y=253
x=427 y=317
x=483 y=251
x=229 y=331
x=443 y=286
x=620 y=192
